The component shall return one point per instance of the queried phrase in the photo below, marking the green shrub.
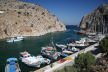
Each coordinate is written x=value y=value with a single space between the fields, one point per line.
x=43 y=13
x=5 y=31
x=26 y=14
x=21 y=7
x=31 y=25
x=49 y=27
x=85 y=61
x=103 y=45
x=16 y=23
x=19 y=12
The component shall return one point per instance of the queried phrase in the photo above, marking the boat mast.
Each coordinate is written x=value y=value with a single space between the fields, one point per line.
x=95 y=25
x=103 y=25
x=52 y=42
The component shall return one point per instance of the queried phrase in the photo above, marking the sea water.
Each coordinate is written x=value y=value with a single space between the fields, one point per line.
x=33 y=45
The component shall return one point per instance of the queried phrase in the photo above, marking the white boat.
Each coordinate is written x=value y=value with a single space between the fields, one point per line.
x=71 y=49
x=74 y=49
x=50 y=52
x=10 y=40
x=1 y=12
x=71 y=44
x=34 y=61
x=21 y=37
x=15 y=39
x=12 y=65
x=91 y=33
x=61 y=46
x=82 y=42
x=90 y=40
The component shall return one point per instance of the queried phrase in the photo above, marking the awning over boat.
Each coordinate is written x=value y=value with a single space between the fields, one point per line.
x=11 y=59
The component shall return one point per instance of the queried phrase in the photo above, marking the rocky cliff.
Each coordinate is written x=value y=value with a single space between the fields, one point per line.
x=25 y=19
x=96 y=20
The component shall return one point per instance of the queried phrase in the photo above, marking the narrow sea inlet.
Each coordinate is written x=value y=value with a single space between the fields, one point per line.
x=33 y=46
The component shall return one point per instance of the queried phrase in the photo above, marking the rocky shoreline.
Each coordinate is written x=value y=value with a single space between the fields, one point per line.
x=97 y=20
x=24 y=19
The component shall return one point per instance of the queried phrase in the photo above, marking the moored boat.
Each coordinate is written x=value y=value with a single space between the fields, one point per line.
x=73 y=49
x=15 y=39
x=12 y=65
x=34 y=61
x=81 y=32
x=82 y=43
x=50 y=52
x=61 y=46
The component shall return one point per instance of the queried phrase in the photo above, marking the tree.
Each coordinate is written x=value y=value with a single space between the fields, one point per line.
x=103 y=45
x=84 y=61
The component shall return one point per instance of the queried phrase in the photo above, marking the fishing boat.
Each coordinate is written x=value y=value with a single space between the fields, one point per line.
x=12 y=65
x=34 y=61
x=50 y=52
x=15 y=39
x=61 y=46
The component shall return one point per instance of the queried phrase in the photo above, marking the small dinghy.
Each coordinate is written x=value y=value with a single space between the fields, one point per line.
x=12 y=65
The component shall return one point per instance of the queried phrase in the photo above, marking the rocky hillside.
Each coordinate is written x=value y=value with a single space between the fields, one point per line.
x=96 y=20
x=25 y=19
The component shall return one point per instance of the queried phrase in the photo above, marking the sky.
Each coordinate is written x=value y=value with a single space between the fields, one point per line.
x=69 y=12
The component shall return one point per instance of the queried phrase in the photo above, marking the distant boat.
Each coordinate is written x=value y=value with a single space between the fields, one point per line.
x=15 y=39
x=34 y=61
x=91 y=33
x=80 y=32
x=12 y=65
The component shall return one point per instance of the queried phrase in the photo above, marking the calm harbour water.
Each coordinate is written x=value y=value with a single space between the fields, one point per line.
x=33 y=46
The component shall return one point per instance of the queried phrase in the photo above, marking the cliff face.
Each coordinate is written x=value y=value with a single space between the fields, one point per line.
x=25 y=19
x=96 y=20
